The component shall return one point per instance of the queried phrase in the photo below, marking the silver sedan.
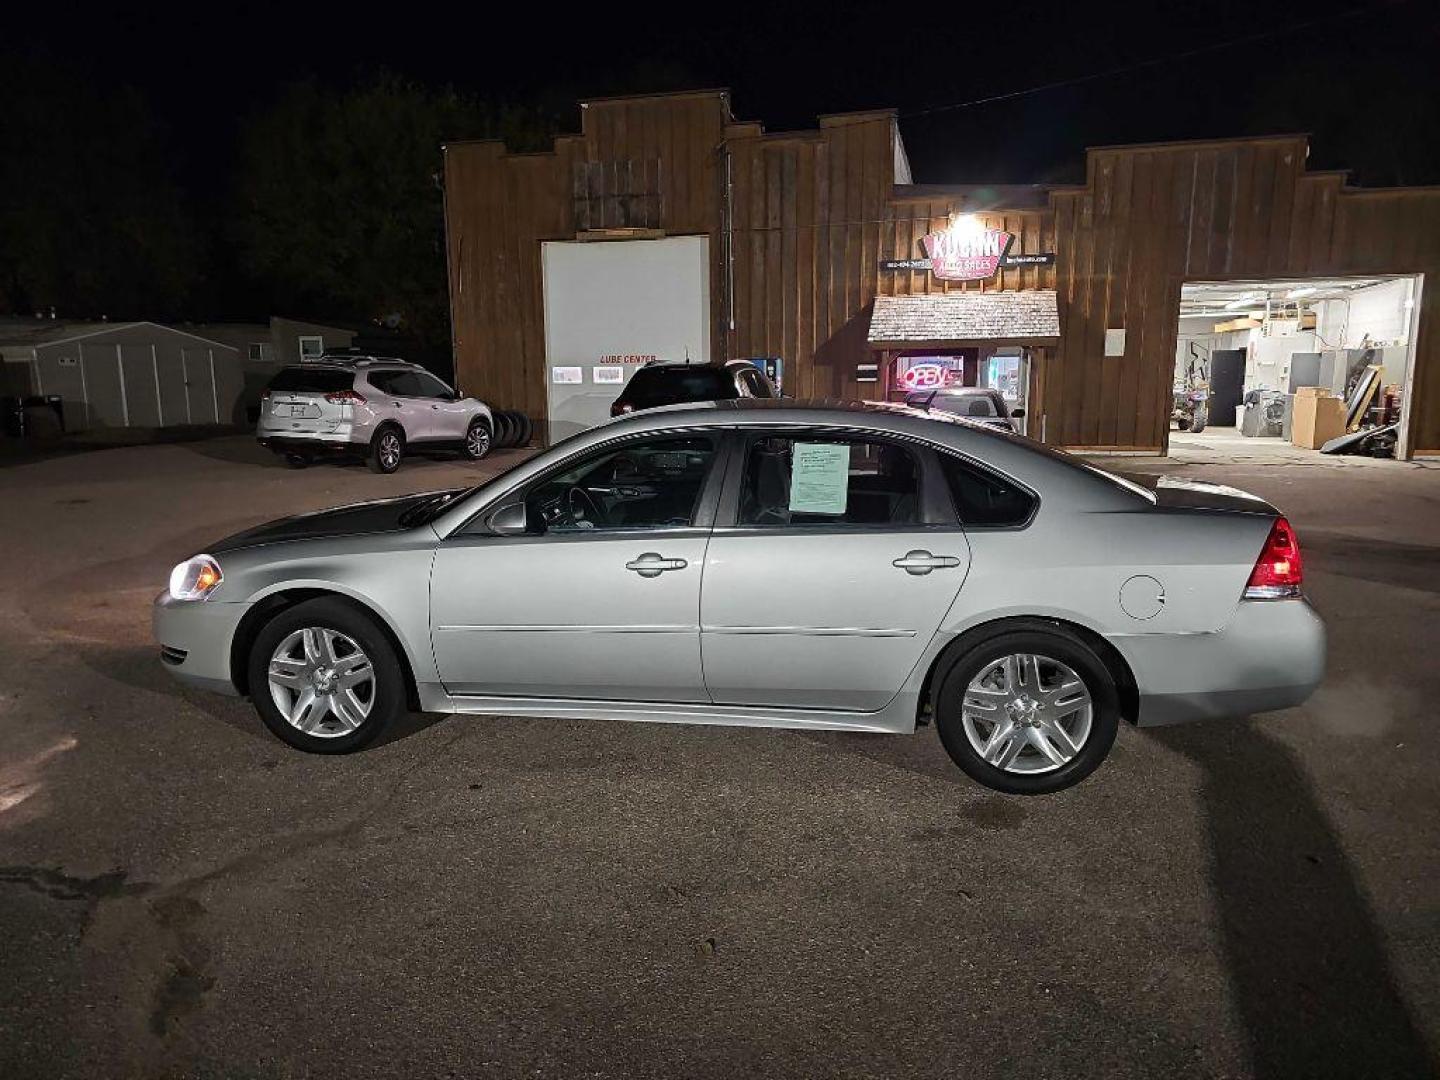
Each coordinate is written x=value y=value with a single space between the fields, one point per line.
x=854 y=567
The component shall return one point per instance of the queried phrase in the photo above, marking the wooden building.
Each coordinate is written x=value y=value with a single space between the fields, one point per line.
x=811 y=233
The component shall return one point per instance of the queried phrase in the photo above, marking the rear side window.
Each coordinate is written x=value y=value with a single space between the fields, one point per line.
x=826 y=480
x=400 y=383
x=967 y=405
x=300 y=380
x=670 y=386
x=982 y=499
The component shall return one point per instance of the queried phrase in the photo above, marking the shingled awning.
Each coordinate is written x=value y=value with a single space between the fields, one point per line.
x=965 y=318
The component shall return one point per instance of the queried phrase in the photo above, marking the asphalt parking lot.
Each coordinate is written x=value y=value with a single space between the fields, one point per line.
x=181 y=894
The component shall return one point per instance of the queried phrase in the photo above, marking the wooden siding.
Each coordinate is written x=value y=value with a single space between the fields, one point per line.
x=814 y=213
x=1151 y=218
x=501 y=207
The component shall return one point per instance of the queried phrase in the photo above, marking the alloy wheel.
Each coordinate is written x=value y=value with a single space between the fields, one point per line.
x=477 y=441
x=1027 y=714
x=389 y=450
x=322 y=682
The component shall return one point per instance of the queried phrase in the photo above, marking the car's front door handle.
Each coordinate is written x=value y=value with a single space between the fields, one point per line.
x=653 y=564
x=922 y=562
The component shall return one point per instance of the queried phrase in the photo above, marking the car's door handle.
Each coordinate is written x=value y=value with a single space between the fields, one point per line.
x=922 y=562
x=653 y=564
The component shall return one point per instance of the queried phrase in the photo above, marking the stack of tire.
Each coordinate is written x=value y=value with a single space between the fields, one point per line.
x=512 y=429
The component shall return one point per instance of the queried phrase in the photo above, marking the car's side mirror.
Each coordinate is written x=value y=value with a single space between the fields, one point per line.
x=1017 y=413
x=510 y=520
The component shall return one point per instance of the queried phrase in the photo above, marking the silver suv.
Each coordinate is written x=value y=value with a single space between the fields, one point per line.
x=369 y=405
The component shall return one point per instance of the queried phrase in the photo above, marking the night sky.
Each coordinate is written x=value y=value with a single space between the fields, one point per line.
x=1362 y=78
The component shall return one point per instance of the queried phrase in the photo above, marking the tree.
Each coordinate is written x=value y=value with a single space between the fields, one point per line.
x=341 y=211
x=93 y=220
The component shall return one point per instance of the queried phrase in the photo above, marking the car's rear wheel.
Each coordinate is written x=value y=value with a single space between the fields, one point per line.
x=1028 y=712
x=324 y=678
x=297 y=461
x=387 y=450
x=477 y=439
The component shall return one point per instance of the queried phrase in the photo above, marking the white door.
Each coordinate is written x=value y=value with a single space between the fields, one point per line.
x=600 y=600
x=612 y=306
x=833 y=579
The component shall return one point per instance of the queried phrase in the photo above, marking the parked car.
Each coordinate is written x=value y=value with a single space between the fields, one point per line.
x=977 y=403
x=866 y=567
x=663 y=382
x=371 y=406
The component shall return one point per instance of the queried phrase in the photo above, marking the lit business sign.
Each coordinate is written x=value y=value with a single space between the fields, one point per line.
x=968 y=251
x=966 y=254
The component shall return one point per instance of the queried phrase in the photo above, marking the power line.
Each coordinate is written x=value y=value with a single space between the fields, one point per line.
x=1168 y=58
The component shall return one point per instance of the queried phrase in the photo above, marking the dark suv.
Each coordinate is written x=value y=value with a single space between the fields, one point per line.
x=670 y=383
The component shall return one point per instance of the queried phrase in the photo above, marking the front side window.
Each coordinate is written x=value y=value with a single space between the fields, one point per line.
x=982 y=499
x=651 y=484
x=431 y=387
x=829 y=480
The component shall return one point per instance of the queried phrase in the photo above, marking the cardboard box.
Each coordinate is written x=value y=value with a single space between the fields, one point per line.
x=1317 y=418
x=1311 y=391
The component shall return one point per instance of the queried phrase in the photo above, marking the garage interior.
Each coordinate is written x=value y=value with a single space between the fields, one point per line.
x=1291 y=368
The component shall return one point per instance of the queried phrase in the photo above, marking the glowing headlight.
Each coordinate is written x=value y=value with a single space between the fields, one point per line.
x=196 y=578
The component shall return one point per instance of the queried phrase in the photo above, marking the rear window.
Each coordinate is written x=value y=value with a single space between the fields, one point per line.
x=299 y=380
x=967 y=404
x=669 y=386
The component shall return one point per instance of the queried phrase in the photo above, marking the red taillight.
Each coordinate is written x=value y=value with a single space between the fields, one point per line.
x=620 y=408
x=345 y=397
x=1279 y=571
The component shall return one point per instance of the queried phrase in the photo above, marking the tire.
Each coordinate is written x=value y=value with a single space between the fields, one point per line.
x=527 y=429
x=1031 y=772
x=504 y=429
x=1201 y=418
x=1182 y=424
x=387 y=450
x=478 y=439
x=296 y=461
x=337 y=626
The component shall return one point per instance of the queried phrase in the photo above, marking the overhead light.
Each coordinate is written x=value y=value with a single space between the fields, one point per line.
x=1240 y=301
x=1295 y=294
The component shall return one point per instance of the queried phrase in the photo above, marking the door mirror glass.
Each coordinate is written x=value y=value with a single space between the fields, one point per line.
x=510 y=520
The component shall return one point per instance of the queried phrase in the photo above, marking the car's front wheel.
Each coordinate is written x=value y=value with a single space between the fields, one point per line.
x=1028 y=712
x=477 y=439
x=324 y=678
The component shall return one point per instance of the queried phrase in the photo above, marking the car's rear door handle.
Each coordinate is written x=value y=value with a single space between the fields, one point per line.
x=922 y=562
x=653 y=564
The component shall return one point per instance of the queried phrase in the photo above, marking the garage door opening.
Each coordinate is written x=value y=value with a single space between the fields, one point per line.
x=1278 y=370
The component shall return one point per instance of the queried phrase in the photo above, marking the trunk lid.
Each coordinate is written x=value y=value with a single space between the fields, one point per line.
x=1172 y=493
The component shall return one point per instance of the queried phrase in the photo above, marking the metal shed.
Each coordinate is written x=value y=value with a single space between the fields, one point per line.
x=138 y=374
